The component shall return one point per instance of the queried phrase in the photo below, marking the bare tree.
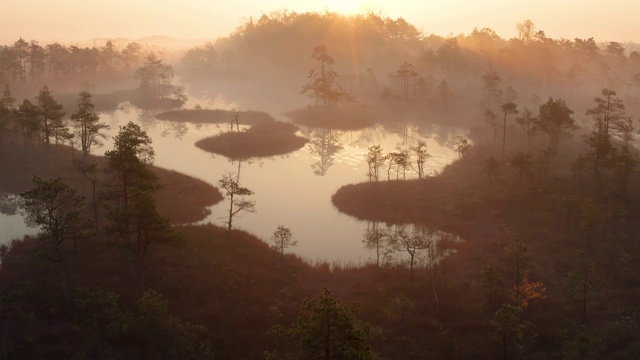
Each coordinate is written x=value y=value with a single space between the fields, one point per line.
x=375 y=159
x=233 y=190
x=407 y=75
x=378 y=240
x=420 y=150
x=507 y=108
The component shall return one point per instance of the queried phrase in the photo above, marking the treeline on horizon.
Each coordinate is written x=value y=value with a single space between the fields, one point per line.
x=542 y=227
x=283 y=41
x=368 y=48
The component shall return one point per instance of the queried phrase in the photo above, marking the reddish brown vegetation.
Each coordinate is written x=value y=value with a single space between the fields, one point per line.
x=261 y=140
x=182 y=198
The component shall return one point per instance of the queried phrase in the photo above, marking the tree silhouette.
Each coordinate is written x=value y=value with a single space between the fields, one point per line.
x=554 y=120
x=87 y=124
x=329 y=332
x=233 y=190
x=507 y=108
x=323 y=80
x=57 y=208
x=282 y=239
x=51 y=114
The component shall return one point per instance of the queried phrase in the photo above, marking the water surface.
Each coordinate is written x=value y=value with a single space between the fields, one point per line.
x=293 y=190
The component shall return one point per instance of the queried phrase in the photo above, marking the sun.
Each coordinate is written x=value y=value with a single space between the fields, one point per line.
x=345 y=7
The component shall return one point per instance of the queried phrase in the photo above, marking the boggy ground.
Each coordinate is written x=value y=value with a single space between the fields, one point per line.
x=560 y=219
x=239 y=288
x=259 y=141
x=181 y=198
x=235 y=285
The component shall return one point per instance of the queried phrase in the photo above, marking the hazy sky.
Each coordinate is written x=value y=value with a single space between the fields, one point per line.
x=78 y=20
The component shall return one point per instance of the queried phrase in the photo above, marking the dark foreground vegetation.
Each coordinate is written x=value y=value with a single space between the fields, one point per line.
x=550 y=227
x=545 y=197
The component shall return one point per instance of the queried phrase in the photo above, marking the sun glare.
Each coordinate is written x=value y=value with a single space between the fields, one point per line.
x=345 y=7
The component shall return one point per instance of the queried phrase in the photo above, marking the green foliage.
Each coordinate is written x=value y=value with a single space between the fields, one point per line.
x=509 y=331
x=581 y=343
x=580 y=289
x=147 y=332
x=329 y=332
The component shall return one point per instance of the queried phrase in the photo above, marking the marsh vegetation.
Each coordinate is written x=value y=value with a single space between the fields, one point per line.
x=441 y=197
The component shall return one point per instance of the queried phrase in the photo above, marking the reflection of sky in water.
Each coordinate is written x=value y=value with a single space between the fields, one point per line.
x=13 y=227
x=286 y=190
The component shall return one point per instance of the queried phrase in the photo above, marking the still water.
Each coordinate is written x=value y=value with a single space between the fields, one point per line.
x=293 y=190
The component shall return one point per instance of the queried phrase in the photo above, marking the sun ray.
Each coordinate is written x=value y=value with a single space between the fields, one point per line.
x=345 y=7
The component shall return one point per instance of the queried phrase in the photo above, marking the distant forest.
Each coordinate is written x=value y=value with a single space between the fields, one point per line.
x=543 y=192
x=369 y=51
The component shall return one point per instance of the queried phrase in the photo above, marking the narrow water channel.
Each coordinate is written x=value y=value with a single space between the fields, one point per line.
x=293 y=190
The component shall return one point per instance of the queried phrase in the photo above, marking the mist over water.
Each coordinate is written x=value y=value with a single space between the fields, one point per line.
x=293 y=190
x=288 y=189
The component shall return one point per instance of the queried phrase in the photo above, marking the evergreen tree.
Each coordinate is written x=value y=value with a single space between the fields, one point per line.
x=87 y=124
x=323 y=80
x=329 y=332
x=51 y=115
x=134 y=216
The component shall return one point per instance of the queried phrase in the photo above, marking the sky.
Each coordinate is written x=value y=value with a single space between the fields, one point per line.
x=80 y=20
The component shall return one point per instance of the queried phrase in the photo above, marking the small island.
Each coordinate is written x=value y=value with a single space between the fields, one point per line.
x=259 y=141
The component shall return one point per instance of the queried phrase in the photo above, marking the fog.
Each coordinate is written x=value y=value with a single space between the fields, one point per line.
x=82 y=21
x=320 y=180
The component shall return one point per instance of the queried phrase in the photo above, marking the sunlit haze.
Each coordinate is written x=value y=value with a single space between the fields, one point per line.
x=74 y=20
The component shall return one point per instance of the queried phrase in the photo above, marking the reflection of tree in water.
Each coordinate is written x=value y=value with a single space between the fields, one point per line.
x=9 y=204
x=389 y=246
x=179 y=129
x=404 y=130
x=442 y=135
x=376 y=239
x=147 y=120
x=323 y=144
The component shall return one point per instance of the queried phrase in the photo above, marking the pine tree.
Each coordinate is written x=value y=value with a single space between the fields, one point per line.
x=87 y=124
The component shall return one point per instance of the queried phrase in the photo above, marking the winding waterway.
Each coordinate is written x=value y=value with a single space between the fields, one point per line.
x=293 y=190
